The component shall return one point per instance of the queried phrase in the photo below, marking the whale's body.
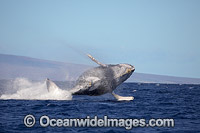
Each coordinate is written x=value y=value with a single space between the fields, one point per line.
x=100 y=80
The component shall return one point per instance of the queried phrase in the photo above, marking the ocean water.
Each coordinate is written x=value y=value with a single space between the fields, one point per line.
x=178 y=102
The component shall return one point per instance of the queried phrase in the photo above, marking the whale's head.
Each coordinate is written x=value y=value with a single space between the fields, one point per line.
x=122 y=72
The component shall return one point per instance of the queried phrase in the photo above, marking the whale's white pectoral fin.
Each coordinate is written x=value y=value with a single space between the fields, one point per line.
x=51 y=86
x=93 y=59
x=121 y=98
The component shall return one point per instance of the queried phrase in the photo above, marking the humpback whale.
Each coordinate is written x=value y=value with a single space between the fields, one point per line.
x=100 y=80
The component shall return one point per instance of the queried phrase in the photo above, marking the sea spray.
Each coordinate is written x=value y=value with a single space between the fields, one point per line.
x=23 y=88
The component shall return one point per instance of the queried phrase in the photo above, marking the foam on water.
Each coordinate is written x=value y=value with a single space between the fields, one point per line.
x=28 y=90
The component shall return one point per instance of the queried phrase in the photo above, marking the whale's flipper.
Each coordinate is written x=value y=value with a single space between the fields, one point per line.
x=93 y=59
x=121 y=98
x=51 y=86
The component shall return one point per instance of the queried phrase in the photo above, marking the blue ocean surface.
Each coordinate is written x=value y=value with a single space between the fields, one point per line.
x=174 y=101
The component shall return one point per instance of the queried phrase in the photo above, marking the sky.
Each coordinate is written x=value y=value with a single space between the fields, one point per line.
x=156 y=36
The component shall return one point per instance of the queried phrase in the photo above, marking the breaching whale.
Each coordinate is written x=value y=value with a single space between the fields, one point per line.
x=100 y=80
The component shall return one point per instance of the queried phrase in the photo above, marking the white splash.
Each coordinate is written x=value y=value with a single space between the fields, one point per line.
x=25 y=89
